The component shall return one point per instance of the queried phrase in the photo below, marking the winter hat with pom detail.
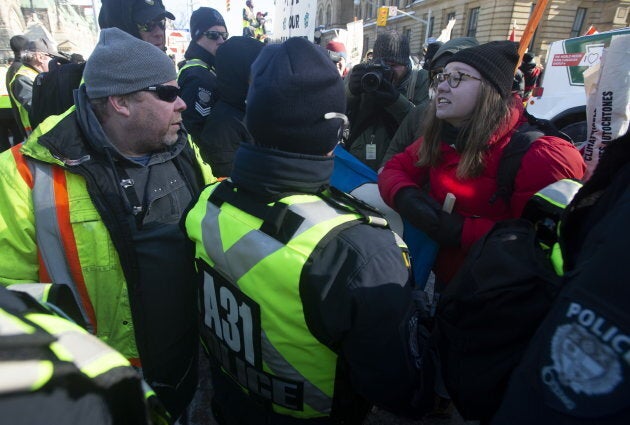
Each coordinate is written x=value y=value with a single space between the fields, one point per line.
x=337 y=47
x=496 y=62
x=294 y=85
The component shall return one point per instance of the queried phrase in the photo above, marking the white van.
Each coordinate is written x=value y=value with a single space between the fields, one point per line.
x=561 y=97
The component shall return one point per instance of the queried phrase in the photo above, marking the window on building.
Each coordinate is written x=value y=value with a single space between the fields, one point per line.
x=471 y=30
x=328 y=15
x=407 y=32
x=320 y=16
x=431 y=25
x=449 y=16
x=358 y=11
x=578 y=24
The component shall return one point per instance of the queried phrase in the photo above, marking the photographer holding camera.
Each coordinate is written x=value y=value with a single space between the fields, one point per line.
x=380 y=94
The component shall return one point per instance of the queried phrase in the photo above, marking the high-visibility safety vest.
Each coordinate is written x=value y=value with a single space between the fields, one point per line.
x=74 y=246
x=253 y=256
x=70 y=344
x=41 y=351
x=30 y=73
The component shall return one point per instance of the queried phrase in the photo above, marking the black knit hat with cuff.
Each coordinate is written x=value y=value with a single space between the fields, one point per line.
x=202 y=19
x=293 y=91
x=496 y=62
x=391 y=46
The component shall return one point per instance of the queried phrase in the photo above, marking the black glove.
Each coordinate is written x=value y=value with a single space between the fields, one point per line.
x=386 y=94
x=423 y=212
x=357 y=73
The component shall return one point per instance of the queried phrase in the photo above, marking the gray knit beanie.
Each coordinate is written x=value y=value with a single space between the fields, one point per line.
x=391 y=46
x=122 y=64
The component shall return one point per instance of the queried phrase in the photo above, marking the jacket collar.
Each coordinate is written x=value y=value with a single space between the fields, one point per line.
x=195 y=51
x=269 y=173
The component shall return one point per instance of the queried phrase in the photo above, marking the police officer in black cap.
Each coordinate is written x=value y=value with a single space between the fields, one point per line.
x=144 y=19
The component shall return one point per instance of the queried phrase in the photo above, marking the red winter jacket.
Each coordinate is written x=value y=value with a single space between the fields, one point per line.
x=548 y=159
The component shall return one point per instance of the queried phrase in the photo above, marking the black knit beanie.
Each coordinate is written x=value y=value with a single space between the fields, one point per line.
x=449 y=48
x=294 y=84
x=391 y=46
x=202 y=19
x=496 y=62
x=18 y=43
x=233 y=63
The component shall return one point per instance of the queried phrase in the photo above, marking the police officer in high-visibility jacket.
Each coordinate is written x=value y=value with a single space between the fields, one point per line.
x=306 y=304
x=197 y=76
x=55 y=372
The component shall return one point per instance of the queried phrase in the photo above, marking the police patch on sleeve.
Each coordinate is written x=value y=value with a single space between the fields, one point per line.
x=585 y=367
x=203 y=104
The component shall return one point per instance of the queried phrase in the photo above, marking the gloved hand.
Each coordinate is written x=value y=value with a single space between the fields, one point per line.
x=386 y=94
x=357 y=73
x=424 y=212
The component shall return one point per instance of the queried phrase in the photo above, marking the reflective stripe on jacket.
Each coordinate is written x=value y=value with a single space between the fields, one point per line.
x=70 y=344
x=259 y=334
x=70 y=242
x=195 y=62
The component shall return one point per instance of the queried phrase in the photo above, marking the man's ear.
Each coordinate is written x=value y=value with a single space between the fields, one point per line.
x=120 y=104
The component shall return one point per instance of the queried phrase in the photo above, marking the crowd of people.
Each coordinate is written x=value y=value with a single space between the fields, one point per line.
x=183 y=215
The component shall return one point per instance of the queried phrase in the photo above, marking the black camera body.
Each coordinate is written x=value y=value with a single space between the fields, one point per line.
x=377 y=71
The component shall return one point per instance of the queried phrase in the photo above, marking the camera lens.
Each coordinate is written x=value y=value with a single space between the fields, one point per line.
x=370 y=81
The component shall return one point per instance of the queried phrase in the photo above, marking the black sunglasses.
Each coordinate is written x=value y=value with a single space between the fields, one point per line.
x=214 y=35
x=165 y=93
x=149 y=26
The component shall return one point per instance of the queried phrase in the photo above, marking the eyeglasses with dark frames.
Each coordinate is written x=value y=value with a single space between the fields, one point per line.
x=214 y=35
x=150 y=26
x=453 y=78
x=165 y=93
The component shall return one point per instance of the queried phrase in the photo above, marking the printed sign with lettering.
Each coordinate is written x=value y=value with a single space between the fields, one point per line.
x=231 y=333
x=294 y=18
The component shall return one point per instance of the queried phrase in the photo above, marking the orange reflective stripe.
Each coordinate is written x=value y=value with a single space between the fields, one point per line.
x=44 y=277
x=22 y=166
x=135 y=362
x=27 y=176
x=69 y=242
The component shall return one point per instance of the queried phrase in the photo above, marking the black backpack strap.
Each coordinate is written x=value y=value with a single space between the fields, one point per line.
x=547 y=127
x=279 y=221
x=518 y=145
x=510 y=161
x=344 y=201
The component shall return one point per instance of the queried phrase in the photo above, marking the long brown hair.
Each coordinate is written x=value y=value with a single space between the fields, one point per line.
x=491 y=113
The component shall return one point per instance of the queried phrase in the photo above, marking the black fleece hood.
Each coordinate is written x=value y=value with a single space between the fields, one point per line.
x=232 y=63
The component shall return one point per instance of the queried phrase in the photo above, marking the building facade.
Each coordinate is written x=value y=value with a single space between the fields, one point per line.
x=486 y=20
x=71 y=24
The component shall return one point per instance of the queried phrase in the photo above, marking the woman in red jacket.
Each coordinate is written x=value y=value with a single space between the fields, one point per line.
x=468 y=125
